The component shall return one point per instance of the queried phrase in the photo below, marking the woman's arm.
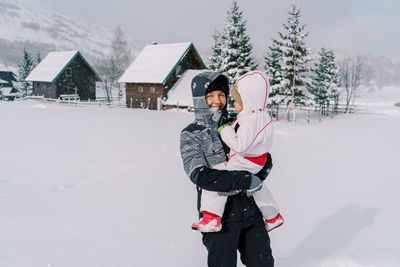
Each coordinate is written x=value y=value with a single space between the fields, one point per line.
x=221 y=180
x=197 y=169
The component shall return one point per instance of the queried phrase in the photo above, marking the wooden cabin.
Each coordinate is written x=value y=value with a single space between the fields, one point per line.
x=64 y=74
x=7 y=78
x=156 y=70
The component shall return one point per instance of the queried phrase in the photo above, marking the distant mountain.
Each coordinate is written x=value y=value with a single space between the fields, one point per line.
x=384 y=70
x=35 y=26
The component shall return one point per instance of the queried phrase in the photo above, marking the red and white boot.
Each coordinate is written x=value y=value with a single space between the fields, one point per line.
x=209 y=223
x=274 y=223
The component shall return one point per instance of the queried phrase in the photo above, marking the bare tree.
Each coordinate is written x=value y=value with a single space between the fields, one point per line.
x=120 y=54
x=111 y=67
x=352 y=73
x=107 y=70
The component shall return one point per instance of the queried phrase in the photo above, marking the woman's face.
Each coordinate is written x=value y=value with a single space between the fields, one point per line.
x=216 y=99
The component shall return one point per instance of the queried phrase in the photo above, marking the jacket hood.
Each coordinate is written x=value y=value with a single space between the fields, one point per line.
x=253 y=88
x=200 y=84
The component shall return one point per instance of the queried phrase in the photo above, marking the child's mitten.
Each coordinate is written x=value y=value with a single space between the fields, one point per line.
x=220 y=128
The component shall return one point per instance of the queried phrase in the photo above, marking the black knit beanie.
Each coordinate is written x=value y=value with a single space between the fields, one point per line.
x=220 y=83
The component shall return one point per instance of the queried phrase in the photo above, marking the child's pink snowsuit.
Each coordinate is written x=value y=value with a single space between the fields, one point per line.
x=248 y=145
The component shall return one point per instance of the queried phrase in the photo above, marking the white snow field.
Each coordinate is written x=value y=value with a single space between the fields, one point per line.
x=92 y=187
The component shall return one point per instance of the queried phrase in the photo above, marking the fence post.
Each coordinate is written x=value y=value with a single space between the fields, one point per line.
x=320 y=114
x=131 y=100
x=308 y=116
x=158 y=103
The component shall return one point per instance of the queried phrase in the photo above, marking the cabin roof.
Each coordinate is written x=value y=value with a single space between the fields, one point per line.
x=155 y=63
x=53 y=65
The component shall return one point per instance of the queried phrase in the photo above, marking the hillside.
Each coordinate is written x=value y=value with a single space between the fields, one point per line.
x=33 y=25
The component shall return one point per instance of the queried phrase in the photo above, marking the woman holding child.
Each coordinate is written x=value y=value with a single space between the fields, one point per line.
x=231 y=219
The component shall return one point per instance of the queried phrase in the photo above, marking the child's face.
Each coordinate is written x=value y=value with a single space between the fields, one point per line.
x=238 y=107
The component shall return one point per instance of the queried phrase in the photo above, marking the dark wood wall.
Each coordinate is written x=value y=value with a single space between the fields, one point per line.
x=45 y=89
x=7 y=76
x=81 y=77
x=135 y=98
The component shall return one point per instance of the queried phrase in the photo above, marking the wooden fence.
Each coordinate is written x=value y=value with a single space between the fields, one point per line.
x=77 y=102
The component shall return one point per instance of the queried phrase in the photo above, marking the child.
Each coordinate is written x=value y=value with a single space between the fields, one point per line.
x=249 y=145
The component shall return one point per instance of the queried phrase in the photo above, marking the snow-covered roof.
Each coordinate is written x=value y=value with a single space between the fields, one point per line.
x=52 y=65
x=6 y=91
x=181 y=92
x=6 y=69
x=155 y=63
x=3 y=81
x=49 y=69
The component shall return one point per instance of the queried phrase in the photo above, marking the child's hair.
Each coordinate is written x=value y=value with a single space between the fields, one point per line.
x=236 y=96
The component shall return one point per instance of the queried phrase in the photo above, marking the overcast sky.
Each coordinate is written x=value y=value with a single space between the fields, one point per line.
x=366 y=26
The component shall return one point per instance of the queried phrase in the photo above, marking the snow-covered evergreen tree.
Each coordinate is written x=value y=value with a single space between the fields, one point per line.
x=295 y=57
x=273 y=71
x=38 y=59
x=215 y=60
x=24 y=68
x=324 y=84
x=236 y=49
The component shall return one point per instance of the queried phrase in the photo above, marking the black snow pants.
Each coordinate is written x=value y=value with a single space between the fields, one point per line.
x=252 y=242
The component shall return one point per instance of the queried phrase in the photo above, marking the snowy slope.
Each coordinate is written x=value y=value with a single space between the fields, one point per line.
x=35 y=26
x=105 y=187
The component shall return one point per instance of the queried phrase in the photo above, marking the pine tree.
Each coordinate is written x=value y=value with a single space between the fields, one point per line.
x=24 y=68
x=236 y=49
x=215 y=60
x=294 y=61
x=324 y=85
x=38 y=59
x=273 y=71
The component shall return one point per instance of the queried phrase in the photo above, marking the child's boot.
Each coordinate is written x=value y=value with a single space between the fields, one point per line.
x=274 y=223
x=209 y=223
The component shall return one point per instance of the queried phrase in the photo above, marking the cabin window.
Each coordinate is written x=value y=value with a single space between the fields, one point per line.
x=153 y=89
x=68 y=72
x=140 y=89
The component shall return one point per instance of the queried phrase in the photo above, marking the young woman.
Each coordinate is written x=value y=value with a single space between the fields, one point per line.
x=243 y=227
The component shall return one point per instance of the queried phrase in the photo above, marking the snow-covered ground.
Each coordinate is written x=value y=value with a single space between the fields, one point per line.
x=87 y=186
